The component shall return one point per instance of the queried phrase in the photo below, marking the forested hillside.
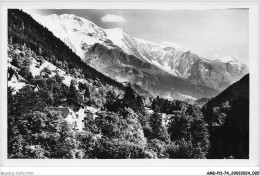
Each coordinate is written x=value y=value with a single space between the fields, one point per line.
x=228 y=119
x=23 y=29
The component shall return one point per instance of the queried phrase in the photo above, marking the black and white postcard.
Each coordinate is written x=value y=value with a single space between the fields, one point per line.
x=145 y=84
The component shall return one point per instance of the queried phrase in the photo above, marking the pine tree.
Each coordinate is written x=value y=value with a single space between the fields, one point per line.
x=158 y=130
x=74 y=93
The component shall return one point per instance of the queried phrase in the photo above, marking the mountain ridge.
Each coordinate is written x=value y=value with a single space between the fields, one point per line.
x=84 y=34
x=122 y=66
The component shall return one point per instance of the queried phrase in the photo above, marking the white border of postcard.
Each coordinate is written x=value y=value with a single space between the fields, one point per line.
x=254 y=83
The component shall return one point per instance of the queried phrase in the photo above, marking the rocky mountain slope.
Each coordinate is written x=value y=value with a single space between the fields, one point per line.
x=81 y=35
x=217 y=109
x=124 y=67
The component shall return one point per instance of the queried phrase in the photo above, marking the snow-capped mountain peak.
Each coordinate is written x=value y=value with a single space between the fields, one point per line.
x=116 y=35
x=99 y=48
x=228 y=59
x=77 y=32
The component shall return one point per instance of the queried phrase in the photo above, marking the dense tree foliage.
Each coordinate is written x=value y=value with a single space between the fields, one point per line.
x=189 y=131
x=158 y=131
x=111 y=134
x=41 y=135
x=228 y=119
x=117 y=136
x=74 y=93
x=166 y=106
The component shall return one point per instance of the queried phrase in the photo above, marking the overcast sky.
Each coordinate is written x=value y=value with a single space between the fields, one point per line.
x=209 y=33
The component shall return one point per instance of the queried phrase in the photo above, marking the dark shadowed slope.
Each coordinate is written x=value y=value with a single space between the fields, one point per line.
x=228 y=117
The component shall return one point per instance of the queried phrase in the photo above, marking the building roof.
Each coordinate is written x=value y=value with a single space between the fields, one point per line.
x=63 y=110
x=14 y=73
x=74 y=101
x=13 y=67
x=22 y=79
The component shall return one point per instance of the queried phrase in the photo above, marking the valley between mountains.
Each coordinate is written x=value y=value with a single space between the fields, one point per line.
x=159 y=69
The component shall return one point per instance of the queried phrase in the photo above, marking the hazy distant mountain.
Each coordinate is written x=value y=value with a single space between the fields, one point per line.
x=123 y=57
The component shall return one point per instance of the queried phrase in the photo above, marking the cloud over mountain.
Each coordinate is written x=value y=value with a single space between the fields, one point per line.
x=112 y=18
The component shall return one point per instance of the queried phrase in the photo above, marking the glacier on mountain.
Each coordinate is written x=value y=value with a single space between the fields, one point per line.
x=81 y=35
